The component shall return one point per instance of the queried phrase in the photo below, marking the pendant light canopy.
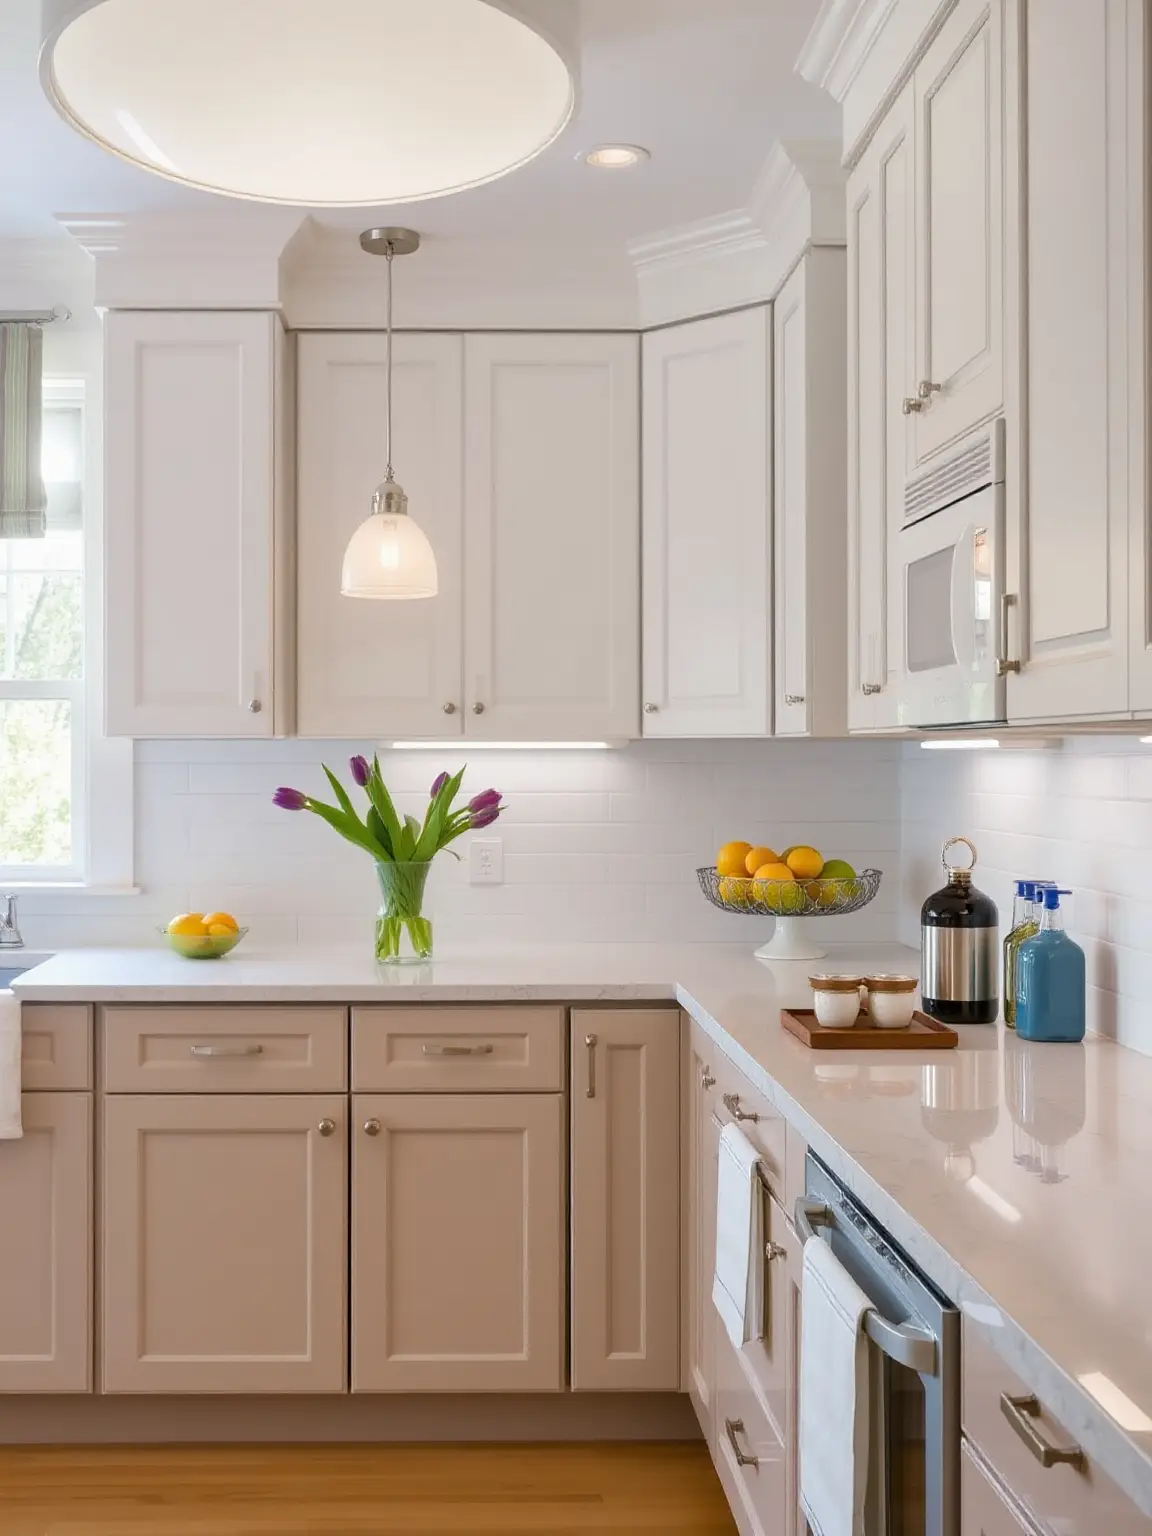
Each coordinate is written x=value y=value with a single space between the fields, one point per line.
x=328 y=103
x=389 y=555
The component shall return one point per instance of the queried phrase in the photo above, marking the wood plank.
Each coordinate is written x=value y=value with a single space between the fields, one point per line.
x=356 y=1490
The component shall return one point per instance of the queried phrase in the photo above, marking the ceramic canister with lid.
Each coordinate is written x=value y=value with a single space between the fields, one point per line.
x=959 y=948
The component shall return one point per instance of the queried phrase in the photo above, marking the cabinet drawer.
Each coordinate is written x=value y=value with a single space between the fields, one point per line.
x=985 y=1509
x=224 y=1050
x=457 y=1050
x=756 y=1490
x=56 y=1048
x=764 y=1126
x=1075 y=1500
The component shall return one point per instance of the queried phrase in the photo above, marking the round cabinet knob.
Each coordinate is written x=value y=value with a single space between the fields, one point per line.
x=911 y=405
x=651 y=709
x=477 y=709
x=326 y=1127
x=706 y=1079
x=775 y=1251
x=449 y=708
x=254 y=706
x=371 y=1127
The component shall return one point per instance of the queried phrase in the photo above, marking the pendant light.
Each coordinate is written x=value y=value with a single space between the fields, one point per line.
x=389 y=555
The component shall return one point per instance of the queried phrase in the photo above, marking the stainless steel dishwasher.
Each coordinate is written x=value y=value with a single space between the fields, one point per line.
x=914 y=1428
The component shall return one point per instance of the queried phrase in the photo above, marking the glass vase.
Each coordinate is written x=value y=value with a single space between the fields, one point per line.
x=403 y=932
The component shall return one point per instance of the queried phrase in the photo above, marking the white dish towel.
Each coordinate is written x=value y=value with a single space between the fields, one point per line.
x=10 y=1127
x=834 y=1395
x=738 y=1284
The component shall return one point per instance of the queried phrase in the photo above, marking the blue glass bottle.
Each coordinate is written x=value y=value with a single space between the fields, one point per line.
x=1050 y=980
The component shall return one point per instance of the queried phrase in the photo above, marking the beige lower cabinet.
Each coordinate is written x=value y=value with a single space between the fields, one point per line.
x=458 y=1242
x=749 y=1454
x=625 y=1097
x=46 y=1269
x=985 y=1508
x=703 y=1147
x=224 y=1243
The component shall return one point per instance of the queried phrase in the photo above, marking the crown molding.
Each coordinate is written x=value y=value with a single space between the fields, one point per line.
x=841 y=38
x=744 y=256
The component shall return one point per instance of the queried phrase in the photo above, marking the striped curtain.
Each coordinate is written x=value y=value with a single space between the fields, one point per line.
x=22 y=497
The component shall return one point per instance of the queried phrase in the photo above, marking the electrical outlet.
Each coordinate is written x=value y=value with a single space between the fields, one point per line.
x=486 y=861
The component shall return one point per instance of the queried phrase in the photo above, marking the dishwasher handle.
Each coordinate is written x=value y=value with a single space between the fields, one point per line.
x=906 y=1343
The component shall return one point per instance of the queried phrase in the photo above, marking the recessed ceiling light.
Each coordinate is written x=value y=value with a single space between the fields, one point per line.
x=616 y=157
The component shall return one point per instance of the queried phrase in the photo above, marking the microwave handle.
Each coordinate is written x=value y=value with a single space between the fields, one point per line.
x=962 y=601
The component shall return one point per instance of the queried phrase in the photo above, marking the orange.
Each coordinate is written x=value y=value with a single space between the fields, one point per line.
x=805 y=863
x=774 y=871
x=730 y=859
x=189 y=925
x=758 y=856
x=223 y=920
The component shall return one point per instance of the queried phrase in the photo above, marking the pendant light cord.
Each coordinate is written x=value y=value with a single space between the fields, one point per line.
x=388 y=476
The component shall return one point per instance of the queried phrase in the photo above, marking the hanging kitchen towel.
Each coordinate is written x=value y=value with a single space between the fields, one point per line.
x=834 y=1395
x=738 y=1284
x=10 y=1127
x=23 y=502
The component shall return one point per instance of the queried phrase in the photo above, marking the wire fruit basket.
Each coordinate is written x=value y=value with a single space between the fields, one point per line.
x=791 y=903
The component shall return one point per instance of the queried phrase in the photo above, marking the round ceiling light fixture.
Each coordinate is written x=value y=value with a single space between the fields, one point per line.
x=615 y=157
x=324 y=103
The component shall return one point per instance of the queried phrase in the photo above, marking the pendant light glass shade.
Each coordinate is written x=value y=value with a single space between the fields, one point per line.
x=389 y=555
x=326 y=103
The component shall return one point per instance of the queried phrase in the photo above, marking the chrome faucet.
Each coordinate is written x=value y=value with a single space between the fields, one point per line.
x=10 y=936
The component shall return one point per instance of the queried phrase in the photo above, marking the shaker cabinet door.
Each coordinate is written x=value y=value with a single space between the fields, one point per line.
x=458 y=1242
x=224 y=1230
x=46 y=1271
x=625 y=1246
x=703 y=1149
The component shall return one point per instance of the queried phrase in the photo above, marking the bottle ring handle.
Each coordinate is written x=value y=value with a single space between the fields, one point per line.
x=952 y=843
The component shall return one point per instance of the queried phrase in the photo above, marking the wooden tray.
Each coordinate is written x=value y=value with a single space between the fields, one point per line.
x=923 y=1034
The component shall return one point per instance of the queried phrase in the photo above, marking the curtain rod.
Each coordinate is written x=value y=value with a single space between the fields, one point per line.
x=37 y=316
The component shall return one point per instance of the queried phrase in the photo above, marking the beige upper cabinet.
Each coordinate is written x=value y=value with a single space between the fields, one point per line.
x=707 y=520
x=959 y=229
x=458 y=1242
x=880 y=362
x=194 y=524
x=809 y=471
x=46 y=1273
x=223 y=1243
x=377 y=668
x=625 y=1284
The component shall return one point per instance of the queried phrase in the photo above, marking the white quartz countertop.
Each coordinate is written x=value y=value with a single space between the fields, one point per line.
x=1017 y=1176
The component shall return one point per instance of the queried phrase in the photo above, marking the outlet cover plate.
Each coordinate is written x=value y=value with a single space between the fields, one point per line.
x=486 y=861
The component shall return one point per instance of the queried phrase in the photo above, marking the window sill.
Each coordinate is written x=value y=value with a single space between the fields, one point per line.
x=70 y=887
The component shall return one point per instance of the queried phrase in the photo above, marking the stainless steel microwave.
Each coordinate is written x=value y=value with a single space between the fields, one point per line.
x=950 y=577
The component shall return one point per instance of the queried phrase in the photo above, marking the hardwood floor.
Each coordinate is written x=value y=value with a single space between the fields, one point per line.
x=569 y=1490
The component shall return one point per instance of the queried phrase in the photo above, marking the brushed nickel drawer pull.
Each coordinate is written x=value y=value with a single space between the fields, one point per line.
x=457 y=1050
x=326 y=1127
x=868 y=689
x=707 y=1080
x=1004 y=664
x=590 y=1042
x=226 y=1050
x=732 y=1105
x=732 y=1428
x=1020 y=1411
x=774 y=1251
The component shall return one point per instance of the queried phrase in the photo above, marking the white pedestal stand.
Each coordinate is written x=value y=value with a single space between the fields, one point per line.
x=791 y=941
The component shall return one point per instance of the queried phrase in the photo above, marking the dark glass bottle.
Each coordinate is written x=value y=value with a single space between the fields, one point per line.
x=959 y=949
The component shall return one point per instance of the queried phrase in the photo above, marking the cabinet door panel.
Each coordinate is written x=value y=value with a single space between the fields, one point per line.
x=625 y=1200
x=458 y=1243
x=552 y=496
x=790 y=504
x=189 y=427
x=46 y=1274
x=704 y=1145
x=708 y=528
x=223 y=1243
x=378 y=668
x=985 y=1509
x=960 y=259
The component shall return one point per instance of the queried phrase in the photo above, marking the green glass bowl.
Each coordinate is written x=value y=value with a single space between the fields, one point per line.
x=203 y=946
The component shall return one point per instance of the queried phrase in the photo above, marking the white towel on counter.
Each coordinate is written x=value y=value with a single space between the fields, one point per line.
x=10 y=1126
x=834 y=1395
x=738 y=1284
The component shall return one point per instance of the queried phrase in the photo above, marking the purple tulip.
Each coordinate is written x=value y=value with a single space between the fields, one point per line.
x=361 y=770
x=290 y=799
x=486 y=798
x=438 y=784
x=484 y=817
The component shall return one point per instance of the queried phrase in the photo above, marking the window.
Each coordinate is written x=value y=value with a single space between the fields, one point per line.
x=43 y=763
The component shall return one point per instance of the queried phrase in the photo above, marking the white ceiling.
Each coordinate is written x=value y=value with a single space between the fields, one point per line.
x=706 y=85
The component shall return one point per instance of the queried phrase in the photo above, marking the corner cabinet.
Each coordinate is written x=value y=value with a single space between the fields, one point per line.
x=707 y=527
x=196 y=485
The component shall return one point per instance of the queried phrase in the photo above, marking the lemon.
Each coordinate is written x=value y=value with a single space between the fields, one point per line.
x=804 y=862
x=774 y=870
x=734 y=890
x=730 y=859
x=189 y=925
x=759 y=856
x=776 y=888
x=225 y=920
x=220 y=931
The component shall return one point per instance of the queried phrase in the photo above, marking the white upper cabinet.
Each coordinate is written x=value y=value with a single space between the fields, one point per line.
x=192 y=532
x=707 y=594
x=880 y=361
x=552 y=510
x=368 y=668
x=959 y=229
x=808 y=397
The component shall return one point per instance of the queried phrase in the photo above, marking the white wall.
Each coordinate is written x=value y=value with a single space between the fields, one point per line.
x=1079 y=813
x=597 y=845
